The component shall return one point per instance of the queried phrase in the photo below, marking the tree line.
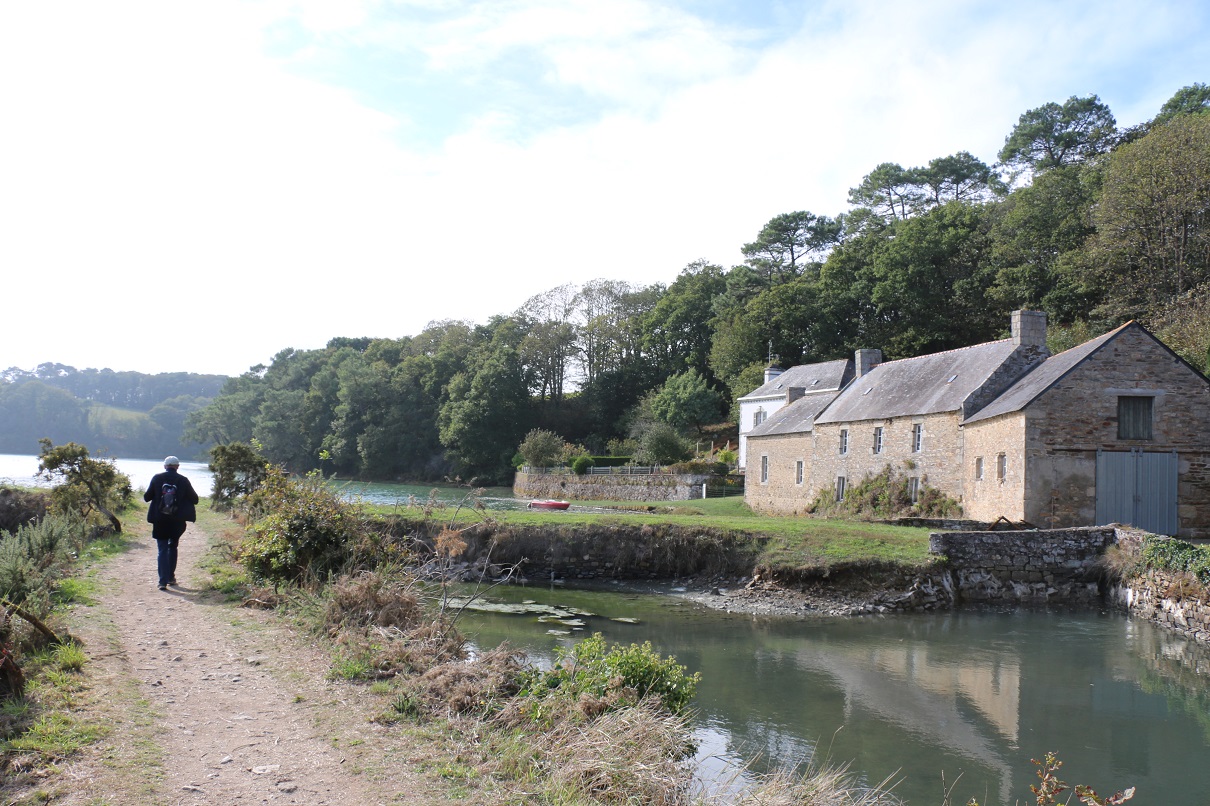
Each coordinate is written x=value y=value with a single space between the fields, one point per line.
x=1092 y=223
x=129 y=414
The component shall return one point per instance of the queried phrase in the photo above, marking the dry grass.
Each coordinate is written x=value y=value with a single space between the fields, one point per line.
x=828 y=785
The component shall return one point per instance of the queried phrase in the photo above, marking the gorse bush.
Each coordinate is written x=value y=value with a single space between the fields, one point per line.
x=32 y=559
x=590 y=668
x=301 y=529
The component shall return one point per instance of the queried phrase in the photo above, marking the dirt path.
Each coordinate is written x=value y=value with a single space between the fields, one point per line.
x=218 y=705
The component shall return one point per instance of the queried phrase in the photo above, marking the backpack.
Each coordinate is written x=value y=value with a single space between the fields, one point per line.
x=168 y=500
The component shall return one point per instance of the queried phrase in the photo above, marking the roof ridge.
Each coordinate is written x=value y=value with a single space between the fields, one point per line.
x=944 y=352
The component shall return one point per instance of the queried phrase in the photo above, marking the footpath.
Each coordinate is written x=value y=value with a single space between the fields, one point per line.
x=207 y=703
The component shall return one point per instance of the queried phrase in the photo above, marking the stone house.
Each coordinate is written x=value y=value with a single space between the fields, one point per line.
x=1116 y=430
x=782 y=387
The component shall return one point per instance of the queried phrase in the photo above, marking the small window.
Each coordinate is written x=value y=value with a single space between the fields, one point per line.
x=978 y=468
x=1001 y=466
x=917 y=437
x=758 y=417
x=764 y=469
x=839 y=488
x=798 y=472
x=878 y=439
x=1134 y=417
x=914 y=488
x=844 y=440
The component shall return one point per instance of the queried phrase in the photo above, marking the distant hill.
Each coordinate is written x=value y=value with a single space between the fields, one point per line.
x=128 y=414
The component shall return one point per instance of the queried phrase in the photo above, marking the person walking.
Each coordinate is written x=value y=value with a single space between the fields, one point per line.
x=173 y=503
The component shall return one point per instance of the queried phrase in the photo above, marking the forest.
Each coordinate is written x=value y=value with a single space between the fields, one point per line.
x=127 y=414
x=1092 y=223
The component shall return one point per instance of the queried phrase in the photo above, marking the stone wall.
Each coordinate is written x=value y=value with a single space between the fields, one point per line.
x=781 y=493
x=1060 y=565
x=609 y=487
x=1162 y=598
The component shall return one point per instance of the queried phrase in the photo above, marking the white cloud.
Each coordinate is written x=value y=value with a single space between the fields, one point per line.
x=155 y=137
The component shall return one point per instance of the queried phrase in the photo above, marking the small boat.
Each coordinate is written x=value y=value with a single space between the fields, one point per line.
x=546 y=504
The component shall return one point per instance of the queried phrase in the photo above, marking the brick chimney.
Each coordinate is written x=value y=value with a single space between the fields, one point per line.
x=866 y=360
x=1029 y=328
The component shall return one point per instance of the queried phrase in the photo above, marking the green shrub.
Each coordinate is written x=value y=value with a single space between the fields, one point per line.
x=301 y=529
x=541 y=448
x=1176 y=556
x=886 y=494
x=32 y=559
x=591 y=668
x=581 y=464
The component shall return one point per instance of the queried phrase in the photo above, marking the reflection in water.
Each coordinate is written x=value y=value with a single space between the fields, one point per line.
x=975 y=694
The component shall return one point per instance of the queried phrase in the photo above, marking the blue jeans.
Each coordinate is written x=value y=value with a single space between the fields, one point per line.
x=167 y=535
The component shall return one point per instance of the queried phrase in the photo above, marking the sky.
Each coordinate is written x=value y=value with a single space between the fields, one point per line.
x=195 y=187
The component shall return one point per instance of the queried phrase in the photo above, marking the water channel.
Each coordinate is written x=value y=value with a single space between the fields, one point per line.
x=916 y=697
x=970 y=695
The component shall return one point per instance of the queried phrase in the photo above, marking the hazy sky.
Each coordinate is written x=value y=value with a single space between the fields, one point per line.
x=252 y=176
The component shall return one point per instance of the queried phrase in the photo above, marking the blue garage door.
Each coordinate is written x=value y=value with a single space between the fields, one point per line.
x=1139 y=489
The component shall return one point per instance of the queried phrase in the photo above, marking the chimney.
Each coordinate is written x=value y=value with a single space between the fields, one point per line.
x=866 y=360
x=794 y=393
x=1029 y=329
x=771 y=372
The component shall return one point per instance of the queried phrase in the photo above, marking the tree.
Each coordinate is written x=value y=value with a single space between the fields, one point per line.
x=661 y=444
x=960 y=177
x=1053 y=135
x=541 y=448
x=889 y=190
x=238 y=469
x=87 y=483
x=1191 y=100
x=785 y=246
x=1153 y=219
x=678 y=333
x=686 y=400
x=486 y=412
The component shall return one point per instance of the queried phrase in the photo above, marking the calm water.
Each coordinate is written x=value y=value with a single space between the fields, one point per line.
x=21 y=470
x=976 y=694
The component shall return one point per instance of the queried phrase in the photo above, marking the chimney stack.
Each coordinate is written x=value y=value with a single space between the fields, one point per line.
x=771 y=372
x=866 y=360
x=794 y=393
x=1029 y=329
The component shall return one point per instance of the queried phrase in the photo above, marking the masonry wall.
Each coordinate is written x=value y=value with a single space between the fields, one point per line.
x=1024 y=566
x=938 y=464
x=990 y=495
x=609 y=487
x=1078 y=415
x=781 y=493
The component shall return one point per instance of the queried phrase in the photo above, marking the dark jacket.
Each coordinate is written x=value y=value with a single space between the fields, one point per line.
x=187 y=508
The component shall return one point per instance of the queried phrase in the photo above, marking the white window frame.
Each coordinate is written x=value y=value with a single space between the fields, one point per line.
x=978 y=468
x=878 y=439
x=764 y=468
x=844 y=441
x=840 y=488
x=914 y=488
x=1001 y=466
x=917 y=437
x=799 y=467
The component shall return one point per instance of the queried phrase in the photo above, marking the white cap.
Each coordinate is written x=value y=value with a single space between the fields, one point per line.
x=171 y=461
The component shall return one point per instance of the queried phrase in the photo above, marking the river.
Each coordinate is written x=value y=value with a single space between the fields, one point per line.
x=969 y=695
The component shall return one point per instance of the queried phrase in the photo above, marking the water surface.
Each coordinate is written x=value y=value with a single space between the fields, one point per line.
x=970 y=694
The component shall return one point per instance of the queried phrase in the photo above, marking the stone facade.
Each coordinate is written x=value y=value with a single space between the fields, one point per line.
x=993 y=471
x=933 y=464
x=776 y=481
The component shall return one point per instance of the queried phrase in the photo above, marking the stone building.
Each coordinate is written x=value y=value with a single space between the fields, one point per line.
x=1116 y=430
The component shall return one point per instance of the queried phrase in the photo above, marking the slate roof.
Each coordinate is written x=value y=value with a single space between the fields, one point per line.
x=795 y=418
x=1046 y=375
x=811 y=377
x=927 y=384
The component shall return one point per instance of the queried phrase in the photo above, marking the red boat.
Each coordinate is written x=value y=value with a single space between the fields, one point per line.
x=548 y=505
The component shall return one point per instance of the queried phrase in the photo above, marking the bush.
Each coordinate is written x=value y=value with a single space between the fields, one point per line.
x=886 y=494
x=661 y=444
x=238 y=470
x=32 y=559
x=589 y=668
x=541 y=448
x=301 y=529
x=581 y=465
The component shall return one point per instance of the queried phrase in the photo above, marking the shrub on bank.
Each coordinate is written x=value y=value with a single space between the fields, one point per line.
x=886 y=494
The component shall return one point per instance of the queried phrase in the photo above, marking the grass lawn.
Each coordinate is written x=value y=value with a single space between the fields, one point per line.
x=787 y=541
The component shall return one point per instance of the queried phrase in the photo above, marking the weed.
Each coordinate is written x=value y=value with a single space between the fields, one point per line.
x=69 y=657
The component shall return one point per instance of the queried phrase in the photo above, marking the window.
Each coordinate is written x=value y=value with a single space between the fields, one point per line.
x=798 y=472
x=979 y=468
x=844 y=440
x=917 y=437
x=840 y=488
x=914 y=488
x=878 y=439
x=758 y=417
x=764 y=469
x=1001 y=466
x=1134 y=417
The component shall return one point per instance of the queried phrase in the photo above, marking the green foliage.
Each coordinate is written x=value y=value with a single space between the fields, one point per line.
x=238 y=470
x=301 y=530
x=887 y=494
x=582 y=464
x=592 y=668
x=32 y=559
x=1060 y=134
x=661 y=444
x=686 y=400
x=85 y=484
x=541 y=448
x=1177 y=556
